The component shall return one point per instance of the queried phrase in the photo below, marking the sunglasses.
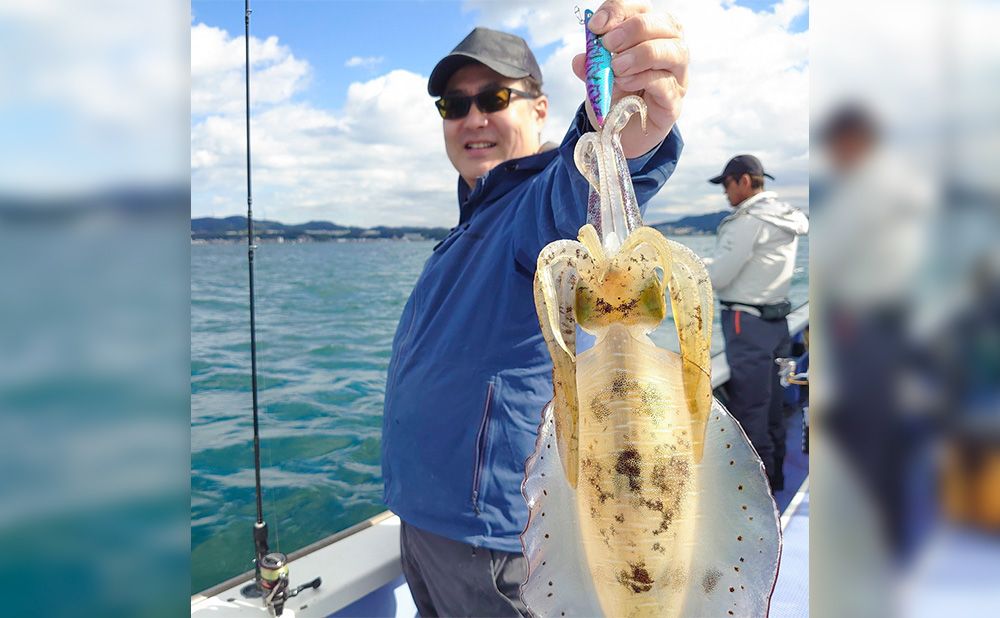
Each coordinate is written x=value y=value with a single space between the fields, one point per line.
x=453 y=107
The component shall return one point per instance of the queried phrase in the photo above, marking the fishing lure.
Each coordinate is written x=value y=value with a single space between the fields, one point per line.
x=600 y=77
x=645 y=497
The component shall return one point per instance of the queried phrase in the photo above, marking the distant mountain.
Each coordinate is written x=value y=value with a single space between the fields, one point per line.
x=315 y=225
x=126 y=201
x=694 y=224
x=235 y=228
x=211 y=224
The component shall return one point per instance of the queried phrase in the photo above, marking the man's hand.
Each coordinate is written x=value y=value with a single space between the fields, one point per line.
x=650 y=60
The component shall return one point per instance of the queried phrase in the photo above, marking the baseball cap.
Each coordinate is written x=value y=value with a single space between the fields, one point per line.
x=507 y=54
x=739 y=165
x=849 y=118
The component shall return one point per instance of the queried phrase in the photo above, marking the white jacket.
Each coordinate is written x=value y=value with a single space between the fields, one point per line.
x=873 y=234
x=755 y=251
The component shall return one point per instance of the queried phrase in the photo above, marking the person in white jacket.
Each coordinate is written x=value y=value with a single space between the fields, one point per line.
x=751 y=272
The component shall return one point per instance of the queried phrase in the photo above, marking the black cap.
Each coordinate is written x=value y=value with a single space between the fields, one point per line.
x=739 y=165
x=507 y=54
x=849 y=119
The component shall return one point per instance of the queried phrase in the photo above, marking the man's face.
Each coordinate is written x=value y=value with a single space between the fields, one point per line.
x=479 y=142
x=736 y=188
x=849 y=150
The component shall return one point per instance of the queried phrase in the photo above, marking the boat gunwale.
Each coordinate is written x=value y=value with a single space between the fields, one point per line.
x=247 y=576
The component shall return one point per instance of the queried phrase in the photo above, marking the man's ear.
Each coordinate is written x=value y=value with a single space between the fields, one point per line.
x=541 y=107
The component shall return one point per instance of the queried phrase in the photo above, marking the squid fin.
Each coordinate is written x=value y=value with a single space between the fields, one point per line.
x=558 y=581
x=735 y=567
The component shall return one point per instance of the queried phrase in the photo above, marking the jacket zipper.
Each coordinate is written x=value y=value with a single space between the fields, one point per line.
x=481 y=447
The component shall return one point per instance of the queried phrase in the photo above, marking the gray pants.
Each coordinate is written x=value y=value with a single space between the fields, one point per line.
x=449 y=578
x=755 y=393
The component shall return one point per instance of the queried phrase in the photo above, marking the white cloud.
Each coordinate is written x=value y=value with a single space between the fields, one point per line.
x=94 y=93
x=377 y=161
x=749 y=90
x=380 y=158
x=922 y=52
x=217 y=71
x=787 y=10
x=369 y=62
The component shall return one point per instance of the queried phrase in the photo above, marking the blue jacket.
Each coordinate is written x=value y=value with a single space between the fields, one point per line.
x=470 y=372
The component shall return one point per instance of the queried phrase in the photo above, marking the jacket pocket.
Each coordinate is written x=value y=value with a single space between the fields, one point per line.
x=482 y=447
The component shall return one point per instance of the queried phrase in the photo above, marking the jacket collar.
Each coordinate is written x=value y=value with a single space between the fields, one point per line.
x=470 y=198
x=744 y=207
x=494 y=182
x=753 y=199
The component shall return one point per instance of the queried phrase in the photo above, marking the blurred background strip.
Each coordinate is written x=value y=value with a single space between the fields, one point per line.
x=905 y=273
x=94 y=348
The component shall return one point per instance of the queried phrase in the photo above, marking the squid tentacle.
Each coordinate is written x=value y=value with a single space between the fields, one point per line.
x=587 y=157
x=692 y=305
x=560 y=267
x=627 y=208
x=612 y=207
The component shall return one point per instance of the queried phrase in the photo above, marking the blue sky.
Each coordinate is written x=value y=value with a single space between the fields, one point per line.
x=362 y=145
x=328 y=32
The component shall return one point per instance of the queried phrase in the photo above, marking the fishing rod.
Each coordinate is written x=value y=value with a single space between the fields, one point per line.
x=270 y=568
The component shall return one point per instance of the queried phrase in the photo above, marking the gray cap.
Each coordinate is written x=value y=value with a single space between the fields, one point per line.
x=507 y=54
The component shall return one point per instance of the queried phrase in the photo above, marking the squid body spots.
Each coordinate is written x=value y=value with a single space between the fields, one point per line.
x=629 y=464
x=624 y=390
x=593 y=473
x=710 y=579
x=636 y=578
x=671 y=477
x=600 y=407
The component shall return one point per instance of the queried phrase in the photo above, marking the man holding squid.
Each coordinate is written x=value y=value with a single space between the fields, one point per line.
x=470 y=371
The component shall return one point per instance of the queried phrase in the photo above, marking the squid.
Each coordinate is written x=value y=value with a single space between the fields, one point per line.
x=645 y=497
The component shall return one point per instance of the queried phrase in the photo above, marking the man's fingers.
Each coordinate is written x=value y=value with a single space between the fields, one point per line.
x=655 y=55
x=650 y=59
x=642 y=27
x=579 y=66
x=659 y=87
x=614 y=12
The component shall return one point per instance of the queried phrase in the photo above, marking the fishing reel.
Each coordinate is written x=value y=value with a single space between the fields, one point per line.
x=272 y=583
x=787 y=373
